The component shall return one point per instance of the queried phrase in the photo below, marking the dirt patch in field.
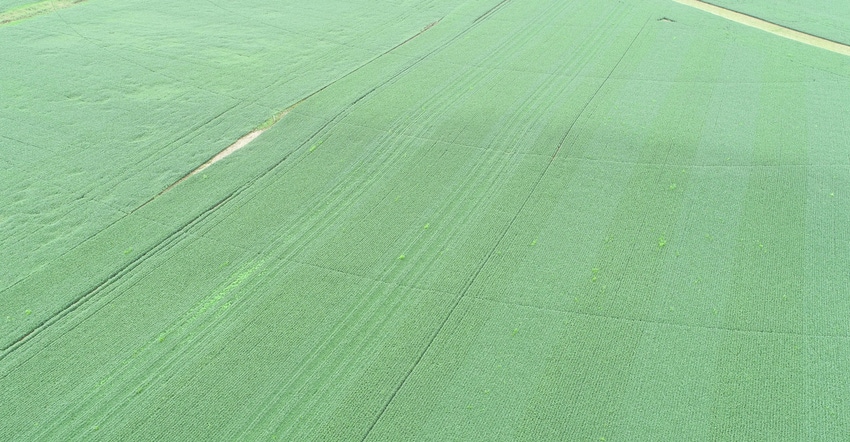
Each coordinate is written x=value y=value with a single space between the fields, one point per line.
x=239 y=144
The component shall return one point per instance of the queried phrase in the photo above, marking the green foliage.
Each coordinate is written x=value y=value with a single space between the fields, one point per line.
x=272 y=120
x=326 y=338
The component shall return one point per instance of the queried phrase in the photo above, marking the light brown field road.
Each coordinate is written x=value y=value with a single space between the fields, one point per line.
x=767 y=26
x=35 y=9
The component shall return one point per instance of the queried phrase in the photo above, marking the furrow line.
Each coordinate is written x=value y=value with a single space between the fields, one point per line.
x=490 y=11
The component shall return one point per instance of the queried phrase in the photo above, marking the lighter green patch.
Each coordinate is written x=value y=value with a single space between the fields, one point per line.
x=274 y=119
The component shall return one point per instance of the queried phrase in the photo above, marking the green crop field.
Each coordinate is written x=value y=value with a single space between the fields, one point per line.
x=459 y=220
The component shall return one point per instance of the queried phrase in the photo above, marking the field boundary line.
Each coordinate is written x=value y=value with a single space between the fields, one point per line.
x=660 y=323
x=773 y=28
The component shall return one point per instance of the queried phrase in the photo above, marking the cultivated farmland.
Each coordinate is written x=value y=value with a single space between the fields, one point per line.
x=454 y=220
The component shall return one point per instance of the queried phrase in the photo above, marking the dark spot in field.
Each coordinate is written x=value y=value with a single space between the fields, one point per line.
x=669 y=20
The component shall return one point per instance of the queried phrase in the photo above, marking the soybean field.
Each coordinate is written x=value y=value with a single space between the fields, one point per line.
x=424 y=220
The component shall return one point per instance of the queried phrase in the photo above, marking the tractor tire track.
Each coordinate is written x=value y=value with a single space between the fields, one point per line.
x=491 y=11
x=107 y=283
